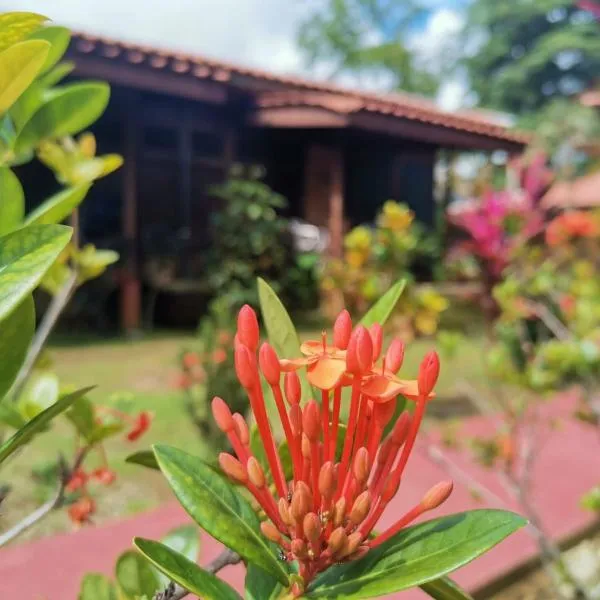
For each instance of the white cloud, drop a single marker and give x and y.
(259, 33)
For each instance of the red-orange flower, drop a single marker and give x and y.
(219, 356)
(81, 511)
(104, 475)
(325, 365)
(141, 424)
(77, 481)
(571, 224)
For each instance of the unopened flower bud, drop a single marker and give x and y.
(271, 532)
(437, 495)
(400, 430)
(245, 367)
(390, 488)
(233, 468)
(339, 512)
(298, 548)
(241, 429)
(394, 356)
(327, 481)
(342, 330)
(284, 512)
(292, 387)
(256, 474)
(311, 421)
(301, 502)
(354, 541)
(222, 415)
(360, 508)
(376, 332)
(383, 412)
(384, 450)
(428, 373)
(305, 447)
(312, 527)
(269, 364)
(361, 466)
(295, 414)
(337, 540)
(361, 551)
(247, 328)
(359, 356)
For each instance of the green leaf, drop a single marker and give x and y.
(58, 207)
(56, 75)
(58, 38)
(185, 541)
(383, 308)
(144, 458)
(418, 555)
(66, 111)
(38, 423)
(135, 576)
(184, 572)
(261, 586)
(97, 587)
(40, 393)
(16, 332)
(218, 508)
(16, 26)
(445, 589)
(12, 201)
(25, 255)
(81, 414)
(281, 331)
(19, 66)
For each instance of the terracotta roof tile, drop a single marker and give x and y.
(299, 92)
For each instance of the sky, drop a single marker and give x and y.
(258, 33)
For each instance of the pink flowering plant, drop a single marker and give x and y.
(302, 512)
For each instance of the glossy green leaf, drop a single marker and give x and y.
(10, 416)
(56, 75)
(218, 508)
(144, 458)
(58, 38)
(58, 207)
(184, 572)
(37, 424)
(25, 255)
(261, 586)
(281, 330)
(418, 555)
(16, 26)
(97, 587)
(445, 589)
(19, 66)
(184, 540)
(40, 392)
(12, 201)
(16, 332)
(135, 576)
(66, 111)
(81, 414)
(383, 308)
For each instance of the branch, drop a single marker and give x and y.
(51, 316)
(176, 592)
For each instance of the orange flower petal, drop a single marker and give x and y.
(294, 364)
(383, 388)
(311, 347)
(326, 373)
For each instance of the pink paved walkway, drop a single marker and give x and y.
(51, 569)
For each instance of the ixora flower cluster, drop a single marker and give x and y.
(326, 513)
(83, 507)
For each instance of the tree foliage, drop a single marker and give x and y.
(368, 38)
(524, 54)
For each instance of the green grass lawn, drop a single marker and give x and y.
(145, 369)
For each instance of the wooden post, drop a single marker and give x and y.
(130, 283)
(336, 204)
(324, 193)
